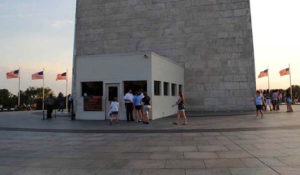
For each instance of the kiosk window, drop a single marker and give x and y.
(174, 89)
(92, 93)
(180, 88)
(135, 86)
(166, 88)
(157, 88)
(92, 88)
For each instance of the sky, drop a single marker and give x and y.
(37, 34)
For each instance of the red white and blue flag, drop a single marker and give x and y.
(38, 75)
(62, 76)
(284, 72)
(13, 74)
(264, 73)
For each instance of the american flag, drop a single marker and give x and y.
(13, 74)
(62, 76)
(284, 72)
(38, 75)
(264, 73)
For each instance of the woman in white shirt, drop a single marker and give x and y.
(114, 110)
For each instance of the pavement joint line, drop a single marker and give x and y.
(251, 154)
(148, 131)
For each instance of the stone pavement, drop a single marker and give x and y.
(265, 148)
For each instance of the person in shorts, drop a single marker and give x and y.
(137, 100)
(114, 110)
(289, 103)
(268, 100)
(259, 98)
(181, 109)
(146, 107)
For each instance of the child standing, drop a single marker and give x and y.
(259, 104)
(289, 103)
(114, 111)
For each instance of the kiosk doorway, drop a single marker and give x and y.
(112, 91)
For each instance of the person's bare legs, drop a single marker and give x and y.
(141, 115)
(111, 119)
(136, 115)
(146, 116)
(117, 118)
(184, 118)
(262, 114)
(178, 118)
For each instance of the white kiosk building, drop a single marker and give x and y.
(100, 78)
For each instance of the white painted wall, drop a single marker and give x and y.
(116, 68)
(165, 70)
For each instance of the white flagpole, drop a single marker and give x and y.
(291, 90)
(67, 90)
(43, 106)
(19, 94)
(268, 79)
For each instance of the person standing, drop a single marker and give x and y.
(70, 103)
(268, 100)
(279, 100)
(289, 103)
(146, 107)
(50, 103)
(129, 105)
(114, 111)
(61, 102)
(259, 98)
(137, 99)
(274, 100)
(181, 109)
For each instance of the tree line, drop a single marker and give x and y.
(31, 96)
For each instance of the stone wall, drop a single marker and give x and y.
(212, 39)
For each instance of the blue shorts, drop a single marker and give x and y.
(114, 113)
(180, 107)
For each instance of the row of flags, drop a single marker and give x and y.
(283, 72)
(35, 76)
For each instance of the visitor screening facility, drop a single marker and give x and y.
(100, 78)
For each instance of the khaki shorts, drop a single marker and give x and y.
(146, 108)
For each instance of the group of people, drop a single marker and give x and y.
(52, 103)
(271, 99)
(140, 102)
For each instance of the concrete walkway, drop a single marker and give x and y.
(242, 146)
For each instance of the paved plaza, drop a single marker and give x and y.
(223, 145)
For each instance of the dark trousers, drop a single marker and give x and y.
(49, 111)
(70, 105)
(129, 109)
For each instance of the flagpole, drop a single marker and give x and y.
(43, 106)
(19, 94)
(268, 79)
(291, 88)
(67, 90)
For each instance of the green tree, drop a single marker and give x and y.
(7, 99)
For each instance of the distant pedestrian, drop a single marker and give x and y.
(259, 104)
(129, 105)
(146, 107)
(274, 100)
(61, 101)
(289, 103)
(114, 111)
(279, 100)
(70, 103)
(137, 100)
(50, 103)
(268, 100)
(181, 109)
